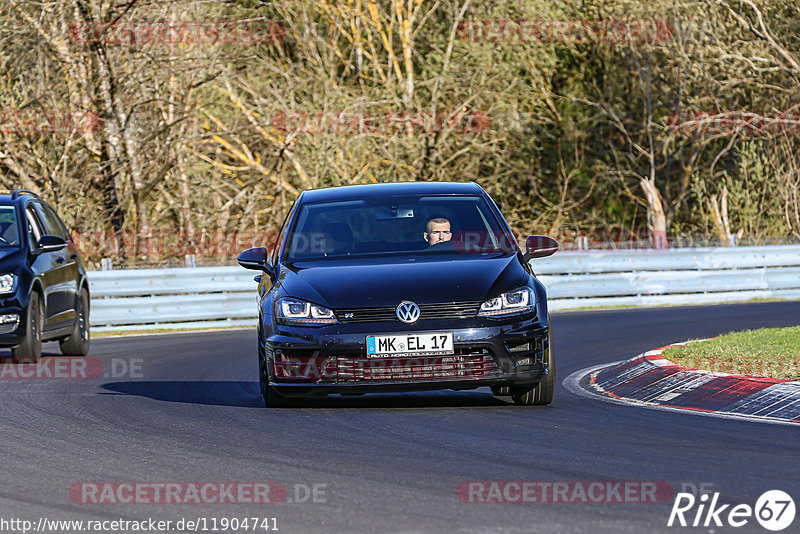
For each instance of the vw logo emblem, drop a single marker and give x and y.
(407, 312)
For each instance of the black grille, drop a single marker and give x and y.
(463, 365)
(452, 310)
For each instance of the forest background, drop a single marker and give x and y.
(163, 128)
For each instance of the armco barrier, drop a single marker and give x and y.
(676, 276)
(218, 296)
(172, 298)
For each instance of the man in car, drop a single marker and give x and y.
(437, 230)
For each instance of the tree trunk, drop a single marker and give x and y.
(656, 219)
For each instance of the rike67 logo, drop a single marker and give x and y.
(774, 510)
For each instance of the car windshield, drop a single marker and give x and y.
(9, 229)
(399, 225)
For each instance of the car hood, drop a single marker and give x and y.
(347, 284)
(10, 259)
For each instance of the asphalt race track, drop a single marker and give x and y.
(388, 463)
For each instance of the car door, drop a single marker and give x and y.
(62, 283)
(42, 263)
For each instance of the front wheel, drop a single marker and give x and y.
(77, 344)
(542, 393)
(30, 350)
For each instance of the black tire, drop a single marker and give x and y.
(30, 350)
(77, 344)
(501, 391)
(272, 399)
(542, 393)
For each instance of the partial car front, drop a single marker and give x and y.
(385, 326)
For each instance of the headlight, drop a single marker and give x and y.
(511, 303)
(294, 311)
(7, 283)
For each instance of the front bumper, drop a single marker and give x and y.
(12, 333)
(319, 361)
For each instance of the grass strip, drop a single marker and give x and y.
(766, 352)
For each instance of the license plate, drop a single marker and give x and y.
(399, 345)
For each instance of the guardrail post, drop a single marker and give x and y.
(106, 265)
(191, 260)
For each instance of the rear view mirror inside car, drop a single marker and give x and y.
(394, 212)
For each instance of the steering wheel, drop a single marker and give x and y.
(442, 245)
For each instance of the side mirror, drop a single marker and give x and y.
(256, 258)
(539, 246)
(51, 243)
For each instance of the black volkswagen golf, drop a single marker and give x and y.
(401, 287)
(44, 292)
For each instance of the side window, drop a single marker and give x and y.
(52, 224)
(34, 230)
(60, 226)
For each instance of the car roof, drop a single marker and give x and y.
(22, 197)
(353, 192)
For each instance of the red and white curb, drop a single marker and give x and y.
(651, 380)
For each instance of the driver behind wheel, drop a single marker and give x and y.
(437, 230)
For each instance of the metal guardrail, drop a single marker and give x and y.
(172, 298)
(675, 276)
(225, 296)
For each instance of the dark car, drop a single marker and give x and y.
(401, 287)
(44, 292)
